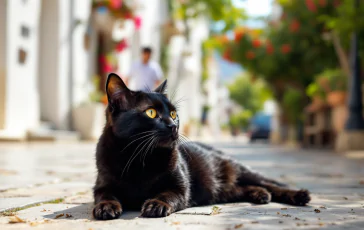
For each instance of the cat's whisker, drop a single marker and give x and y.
(131, 158)
(137, 139)
(151, 131)
(153, 142)
(185, 137)
(143, 153)
(145, 144)
(182, 142)
(173, 95)
(180, 100)
(177, 107)
(150, 143)
(147, 89)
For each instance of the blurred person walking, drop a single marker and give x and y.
(145, 74)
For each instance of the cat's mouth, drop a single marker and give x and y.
(168, 139)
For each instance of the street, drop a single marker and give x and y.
(49, 186)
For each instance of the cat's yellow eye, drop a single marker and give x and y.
(173, 114)
(152, 113)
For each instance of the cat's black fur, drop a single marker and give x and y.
(141, 165)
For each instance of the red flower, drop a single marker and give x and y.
(250, 54)
(256, 43)
(137, 22)
(128, 15)
(322, 3)
(311, 5)
(121, 46)
(102, 60)
(227, 55)
(337, 3)
(107, 68)
(116, 4)
(270, 48)
(295, 25)
(238, 35)
(224, 39)
(286, 48)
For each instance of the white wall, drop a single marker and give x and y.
(3, 7)
(81, 74)
(54, 66)
(48, 59)
(63, 43)
(59, 93)
(41, 87)
(21, 107)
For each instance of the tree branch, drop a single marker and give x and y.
(343, 58)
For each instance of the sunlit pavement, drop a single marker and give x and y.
(33, 178)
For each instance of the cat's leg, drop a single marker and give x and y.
(288, 196)
(164, 204)
(256, 195)
(107, 206)
(280, 194)
(252, 194)
(244, 170)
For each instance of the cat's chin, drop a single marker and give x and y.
(167, 143)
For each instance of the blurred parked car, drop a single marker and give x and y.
(259, 127)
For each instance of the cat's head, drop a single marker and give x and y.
(144, 115)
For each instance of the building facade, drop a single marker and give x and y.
(50, 55)
(39, 79)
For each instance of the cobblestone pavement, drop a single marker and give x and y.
(48, 186)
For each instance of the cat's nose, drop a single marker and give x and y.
(174, 131)
(173, 127)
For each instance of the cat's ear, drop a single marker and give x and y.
(117, 92)
(162, 87)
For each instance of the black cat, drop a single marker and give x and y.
(141, 164)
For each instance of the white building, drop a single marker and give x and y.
(45, 64)
(49, 54)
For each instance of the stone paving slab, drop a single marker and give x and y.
(21, 202)
(56, 190)
(322, 213)
(39, 173)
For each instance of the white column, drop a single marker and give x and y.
(48, 60)
(64, 90)
(54, 68)
(81, 77)
(21, 108)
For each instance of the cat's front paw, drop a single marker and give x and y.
(107, 210)
(301, 198)
(156, 208)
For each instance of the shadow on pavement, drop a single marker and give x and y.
(84, 211)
